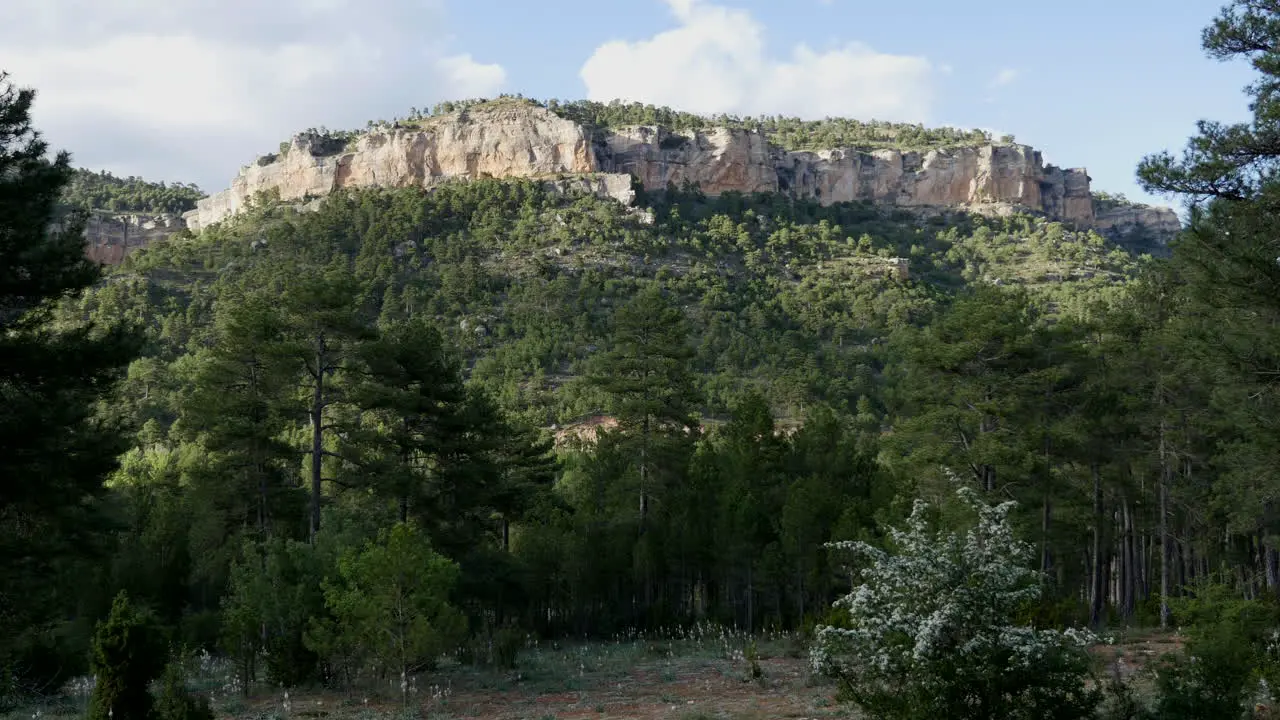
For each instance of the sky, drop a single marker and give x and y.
(190, 90)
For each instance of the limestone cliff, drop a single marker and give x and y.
(509, 141)
(516, 140)
(111, 236)
(1160, 222)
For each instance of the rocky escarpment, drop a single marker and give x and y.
(509, 142)
(738, 160)
(1158, 222)
(518, 140)
(111, 236)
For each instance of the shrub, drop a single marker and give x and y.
(391, 605)
(1230, 646)
(274, 585)
(127, 654)
(1212, 679)
(1121, 702)
(932, 631)
(506, 646)
(175, 702)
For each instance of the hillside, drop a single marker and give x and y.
(787, 296)
(796, 333)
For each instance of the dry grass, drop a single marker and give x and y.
(695, 678)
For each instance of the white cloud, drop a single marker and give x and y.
(190, 90)
(715, 61)
(1004, 77)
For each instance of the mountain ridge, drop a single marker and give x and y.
(516, 138)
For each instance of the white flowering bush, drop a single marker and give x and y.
(932, 633)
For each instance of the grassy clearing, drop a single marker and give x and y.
(699, 675)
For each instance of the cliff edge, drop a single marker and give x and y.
(523, 140)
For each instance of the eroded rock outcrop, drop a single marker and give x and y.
(717, 161)
(511, 141)
(111, 236)
(516, 140)
(1158, 222)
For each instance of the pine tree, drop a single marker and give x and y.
(55, 452)
(1229, 260)
(127, 654)
(412, 391)
(392, 604)
(327, 329)
(239, 404)
(646, 377)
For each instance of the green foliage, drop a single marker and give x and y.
(58, 449)
(788, 132)
(1104, 201)
(128, 653)
(1213, 679)
(272, 598)
(391, 604)
(1121, 701)
(456, 323)
(505, 646)
(101, 190)
(175, 702)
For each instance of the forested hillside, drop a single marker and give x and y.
(742, 315)
(322, 444)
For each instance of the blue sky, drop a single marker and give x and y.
(192, 89)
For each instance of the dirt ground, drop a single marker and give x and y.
(1130, 655)
(692, 688)
(691, 679)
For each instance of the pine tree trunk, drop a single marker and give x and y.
(1046, 561)
(1096, 576)
(317, 439)
(262, 501)
(1164, 530)
(988, 425)
(1268, 564)
(1130, 572)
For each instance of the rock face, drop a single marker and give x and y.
(511, 141)
(717, 161)
(111, 236)
(1159, 222)
(737, 160)
(514, 140)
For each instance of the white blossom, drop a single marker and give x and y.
(940, 600)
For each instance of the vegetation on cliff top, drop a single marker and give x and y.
(1105, 201)
(101, 190)
(790, 133)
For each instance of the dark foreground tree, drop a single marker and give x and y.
(1229, 259)
(128, 653)
(53, 452)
